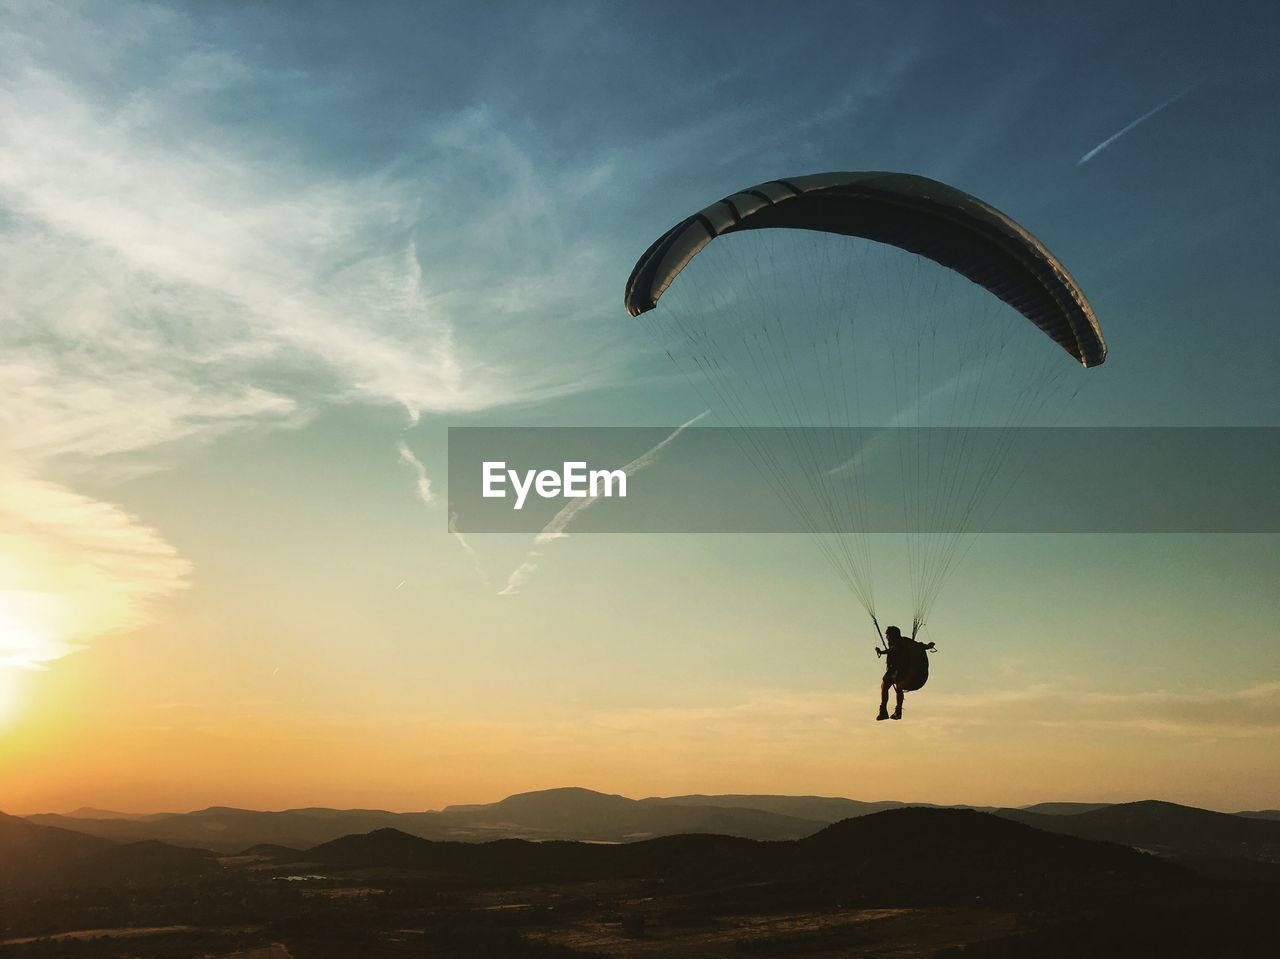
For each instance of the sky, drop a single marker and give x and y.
(258, 258)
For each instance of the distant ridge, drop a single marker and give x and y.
(899, 846)
(576, 813)
(1180, 832)
(89, 812)
(1064, 808)
(1260, 814)
(568, 813)
(820, 809)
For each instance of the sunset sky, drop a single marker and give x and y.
(257, 259)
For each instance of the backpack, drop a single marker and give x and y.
(913, 669)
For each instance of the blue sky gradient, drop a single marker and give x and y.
(252, 251)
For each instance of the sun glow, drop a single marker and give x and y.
(8, 697)
(23, 643)
(20, 648)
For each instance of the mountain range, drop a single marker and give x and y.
(586, 815)
(1051, 880)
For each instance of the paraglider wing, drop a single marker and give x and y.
(914, 213)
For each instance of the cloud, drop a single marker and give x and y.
(1243, 712)
(428, 497)
(423, 481)
(173, 270)
(199, 271)
(73, 568)
(467, 548)
(1128, 127)
(231, 273)
(785, 719)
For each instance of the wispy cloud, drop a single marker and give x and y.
(1199, 714)
(74, 568)
(557, 526)
(1250, 711)
(427, 495)
(1130, 126)
(191, 275)
(423, 481)
(467, 548)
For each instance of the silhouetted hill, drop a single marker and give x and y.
(1168, 829)
(1063, 808)
(935, 878)
(910, 855)
(583, 814)
(821, 810)
(149, 861)
(511, 860)
(564, 806)
(930, 854)
(1261, 814)
(227, 829)
(30, 851)
(382, 847)
(89, 812)
(681, 859)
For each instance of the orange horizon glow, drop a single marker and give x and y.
(146, 760)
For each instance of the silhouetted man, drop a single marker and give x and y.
(908, 669)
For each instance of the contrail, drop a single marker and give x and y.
(520, 574)
(909, 416)
(555, 529)
(424, 481)
(1146, 116)
(467, 548)
(428, 496)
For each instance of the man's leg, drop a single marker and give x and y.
(884, 698)
(897, 713)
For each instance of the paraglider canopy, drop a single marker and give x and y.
(869, 299)
(911, 212)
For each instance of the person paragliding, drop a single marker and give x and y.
(836, 304)
(906, 671)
